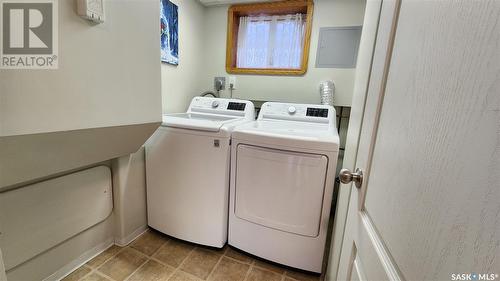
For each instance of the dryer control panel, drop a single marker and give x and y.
(313, 113)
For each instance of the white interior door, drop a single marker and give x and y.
(429, 147)
(363, 70)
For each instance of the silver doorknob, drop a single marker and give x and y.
(347, 176)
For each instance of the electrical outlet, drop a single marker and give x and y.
(232, 81)
(219, 83)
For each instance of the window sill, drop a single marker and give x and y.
(266, 71)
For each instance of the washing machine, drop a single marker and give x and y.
(282, 179)
(187, 170)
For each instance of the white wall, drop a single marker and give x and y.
(129, 197)
(108, 84)
(202, 56)
(102, 102)
(180, 83)
(109, 74)
(283, 88)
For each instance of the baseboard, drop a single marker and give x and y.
(90, 254)
(122, 242)
(81, 260)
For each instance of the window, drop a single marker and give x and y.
(269, 38)
(270, 42)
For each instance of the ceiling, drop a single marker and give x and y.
(224, 2)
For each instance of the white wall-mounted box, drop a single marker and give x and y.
(92, 10)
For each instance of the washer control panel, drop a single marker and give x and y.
(220, 106)
(298, 112)
(240, 106)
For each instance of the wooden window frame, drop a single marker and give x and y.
(273, 8)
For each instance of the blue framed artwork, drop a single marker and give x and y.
(169, 21)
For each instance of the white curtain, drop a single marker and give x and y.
(270, 41)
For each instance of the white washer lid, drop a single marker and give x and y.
(315, 136)
(194, 121)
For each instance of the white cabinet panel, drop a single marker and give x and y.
(37, 217)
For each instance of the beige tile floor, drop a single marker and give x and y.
(157, 257)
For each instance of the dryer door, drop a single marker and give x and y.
(280, 189)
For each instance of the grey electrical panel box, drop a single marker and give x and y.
(338, 47)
